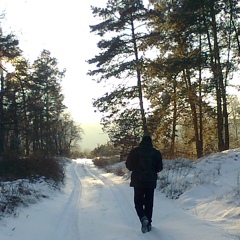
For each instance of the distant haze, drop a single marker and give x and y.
(93, 136)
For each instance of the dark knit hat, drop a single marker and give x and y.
(147, 139)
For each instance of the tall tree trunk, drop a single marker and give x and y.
(192, 101)
(139, 81)
(200, 102)
(215, 71)
(174, 122)
(224, 143)
(236, 31)
(1, 116)
(26, 122)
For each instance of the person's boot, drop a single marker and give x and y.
(149, 228)
(144, 222)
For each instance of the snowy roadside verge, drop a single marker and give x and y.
(21, 193)
(26, 181)
(208, 188)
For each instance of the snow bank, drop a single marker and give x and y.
(208, 188)
(213, 192)
(22, 193)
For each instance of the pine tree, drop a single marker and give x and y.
(122, 30)
(8, 50)
(194, 42)
(46, 101)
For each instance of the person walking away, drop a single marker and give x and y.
(145, 162)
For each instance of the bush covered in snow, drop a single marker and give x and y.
(25, 181)
(103, 162)
(111, 164)
(173, 179)
(32, 168)
(179, 176)
(22, 192)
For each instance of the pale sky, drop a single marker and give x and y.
(62, 27)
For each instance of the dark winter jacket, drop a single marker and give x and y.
(132, 164)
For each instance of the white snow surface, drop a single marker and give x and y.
(95, 205)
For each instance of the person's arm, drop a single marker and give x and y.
(159, 161)
(130, 162)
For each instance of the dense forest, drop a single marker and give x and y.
(33, 118)
(169, 65)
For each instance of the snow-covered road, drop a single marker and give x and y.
(100, 207)
(95, 205)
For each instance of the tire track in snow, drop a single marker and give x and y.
(118, 195)
(127, 209)
(67, 228)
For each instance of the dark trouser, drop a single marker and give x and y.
(143, 200)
